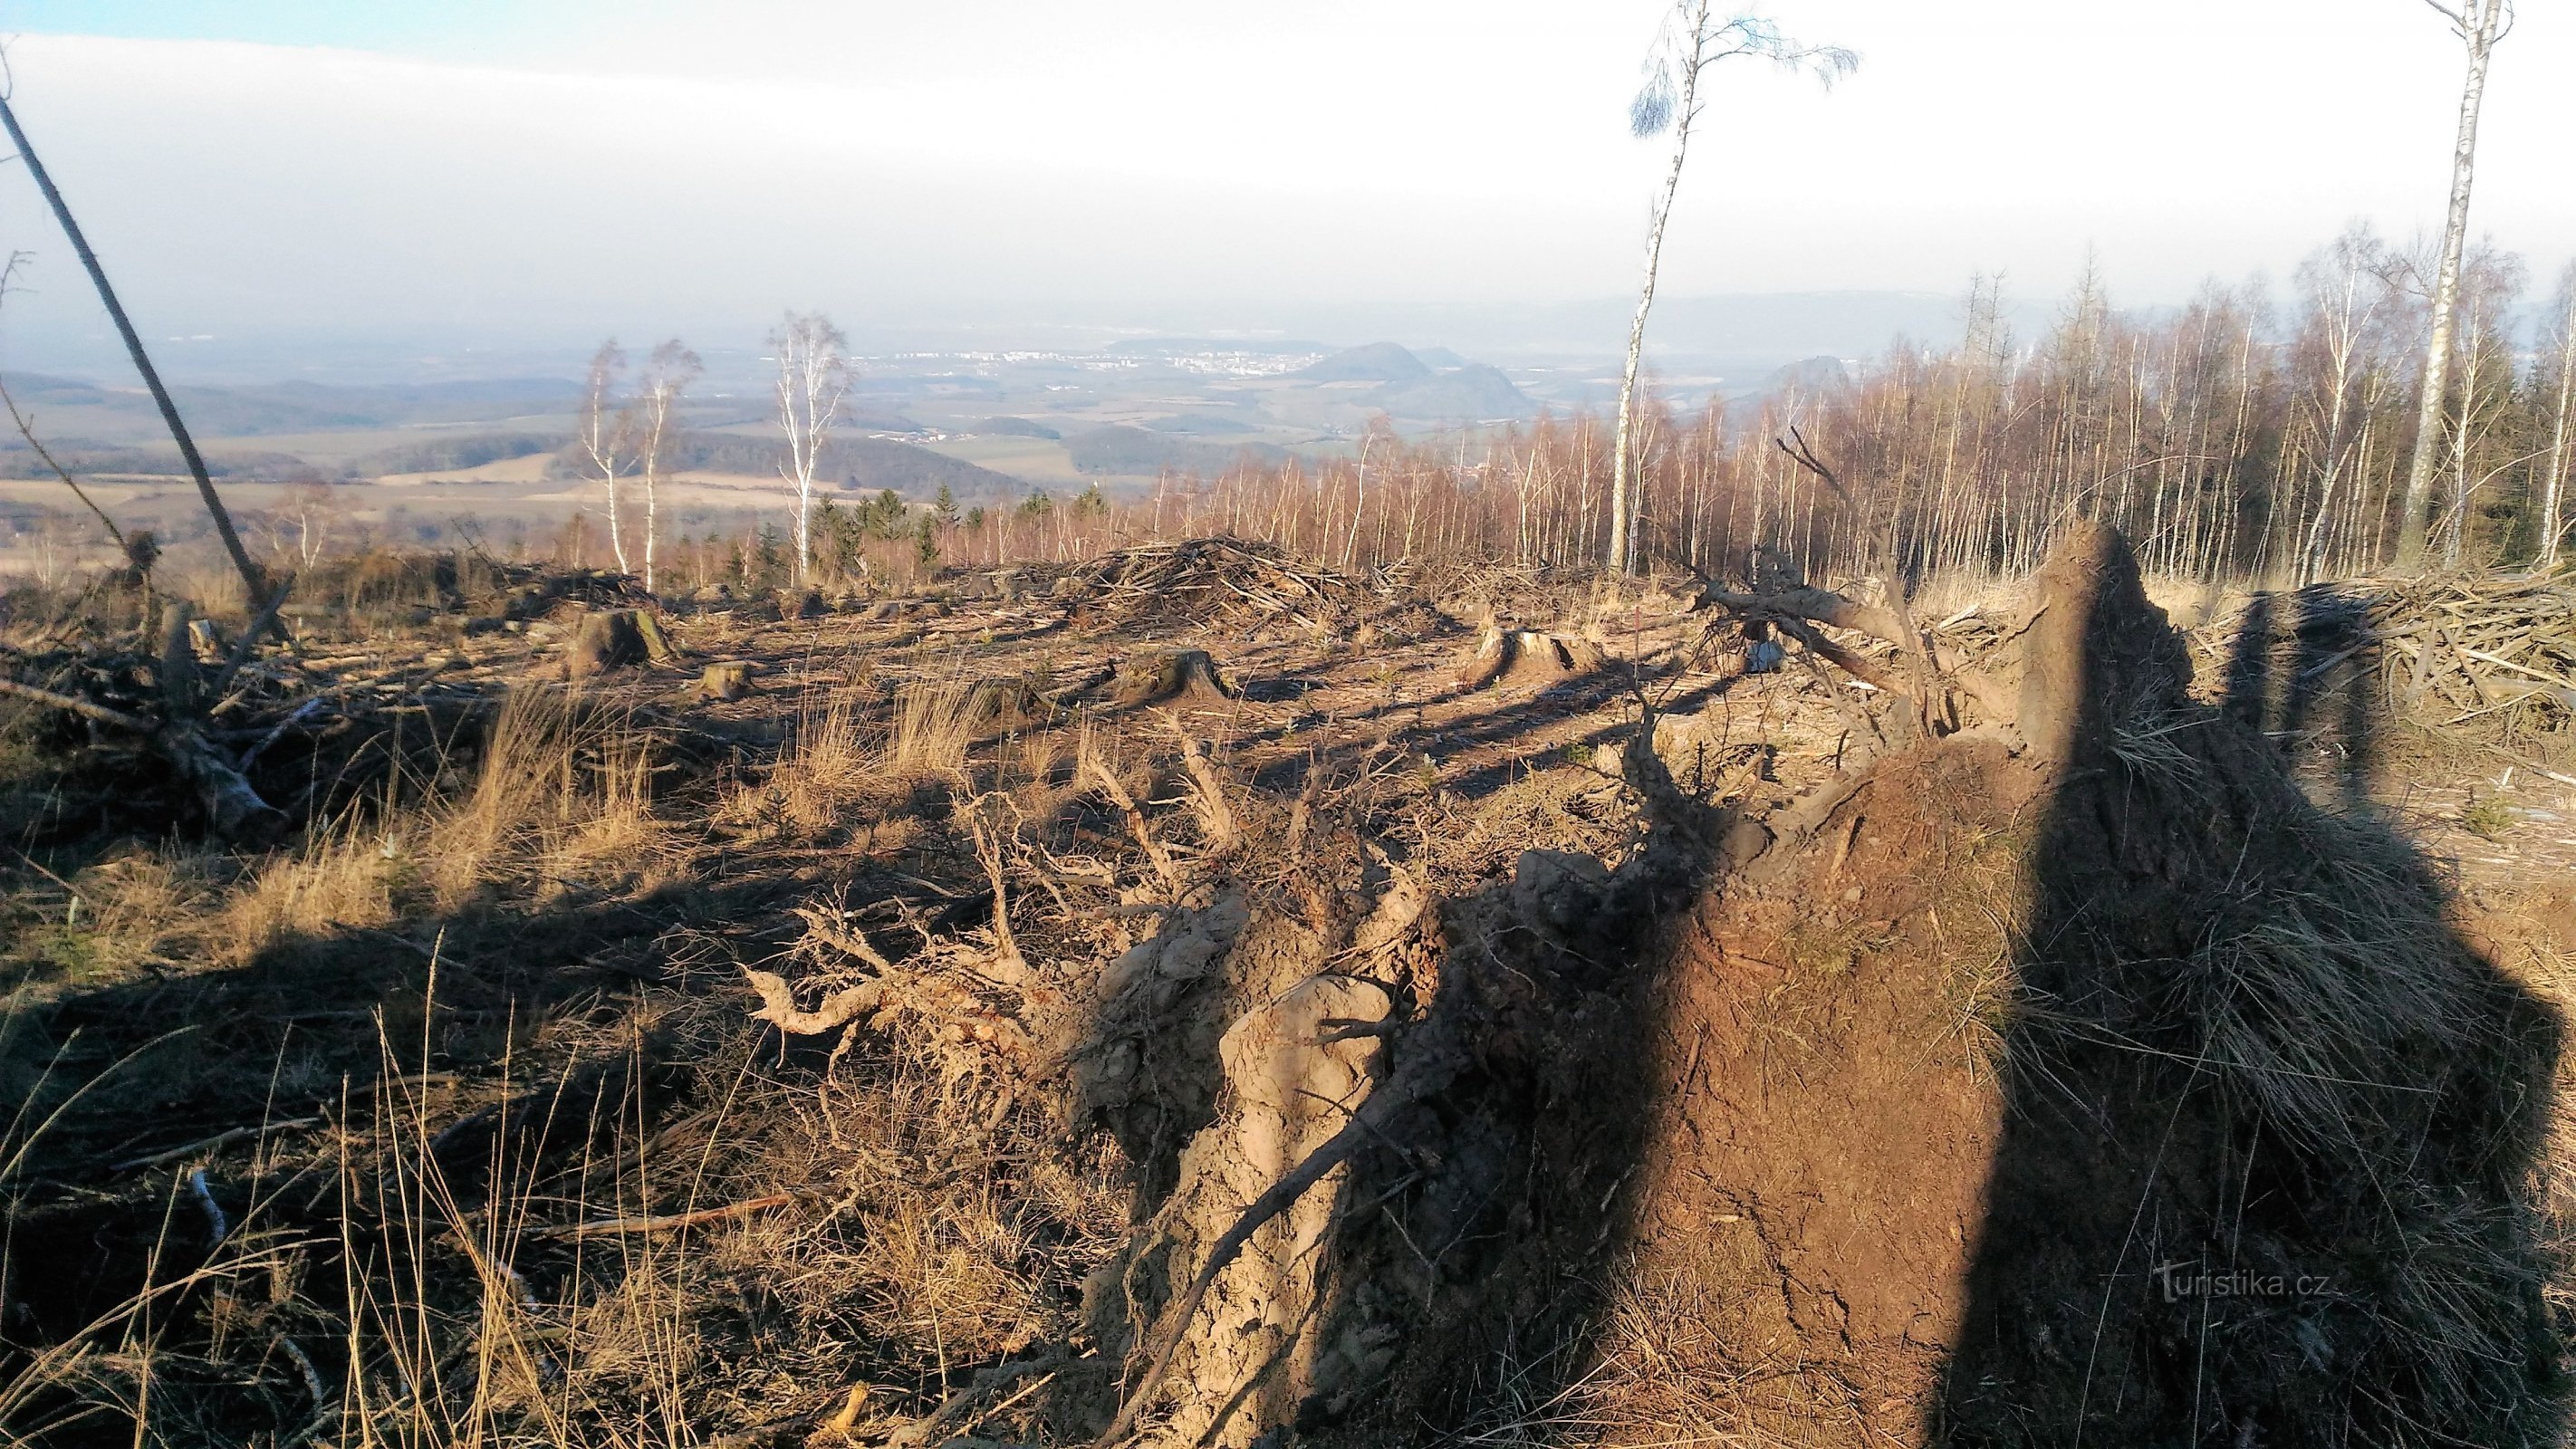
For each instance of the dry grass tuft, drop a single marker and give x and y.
(934, 726)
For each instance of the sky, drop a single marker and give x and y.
(533, 172)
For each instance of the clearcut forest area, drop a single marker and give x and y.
(1177, 892)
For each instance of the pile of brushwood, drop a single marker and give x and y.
(2453, 648)
(1209, 581)
(171, 719)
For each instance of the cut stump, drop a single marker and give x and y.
(1526, 657)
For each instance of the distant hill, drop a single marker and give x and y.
(1474, 393)
(1809, 375)
(1196, 422)
(850, 463)
(17, 460)
(303, 407)
(1009, 427)
(454, 452)
(1122, 449)
(1376, 362)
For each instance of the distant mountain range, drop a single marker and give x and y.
(1376, 362)
(1435, 385)
(299, 407)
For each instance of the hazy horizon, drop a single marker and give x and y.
(368, 188)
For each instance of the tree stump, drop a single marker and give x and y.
(730, 680)
(1165, 676)
(610, 639)
(1526, 657)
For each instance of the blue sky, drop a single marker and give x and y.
(484, 31)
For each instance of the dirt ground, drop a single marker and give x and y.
(911, 1047)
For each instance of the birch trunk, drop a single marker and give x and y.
(2478, 22)
(602, 438)
(1623, 523)
(2554, 483)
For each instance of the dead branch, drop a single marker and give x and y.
(27, 430)
(778, 1004)
(988, 850)
(1805, 457)
(665, 1222)
(82, 707)
(1820, 606)
(1841, 658)
(1098, 769)
(832, 928)
(209, 1144)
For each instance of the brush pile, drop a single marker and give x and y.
(1207, 582)
(2453, 649)
(2480, 645)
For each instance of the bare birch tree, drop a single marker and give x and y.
(2344, 295)
(813, 377)
(2479, 24)
(607, 429)
(667, 374)
(2562, 350)
(1692, 40)
(2483, 352)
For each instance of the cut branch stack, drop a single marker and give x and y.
(1208, 581)
(2456, 646)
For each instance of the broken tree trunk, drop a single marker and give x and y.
(253, 580)
(233, 809)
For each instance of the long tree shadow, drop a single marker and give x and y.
(2303, 670)
(2267, 1170)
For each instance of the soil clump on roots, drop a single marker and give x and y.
(2084, 1080)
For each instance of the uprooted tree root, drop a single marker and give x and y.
(1375, 1132)
(2103, 1088)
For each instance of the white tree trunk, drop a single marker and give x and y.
(1626, 487)
(1624, 482)
(813, 374)
(660, 404)
(2554, 483)
(2479, 21)
(603, 438)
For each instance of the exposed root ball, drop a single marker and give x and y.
(2103, 1089)
(1375, 1132)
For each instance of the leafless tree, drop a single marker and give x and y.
(667, 374)
(2483, 350)
(2562, 362)
(2479, 24)
(1693, 39)
(308, 509)
(607, 431)
(2345, 296)
(813, 377)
